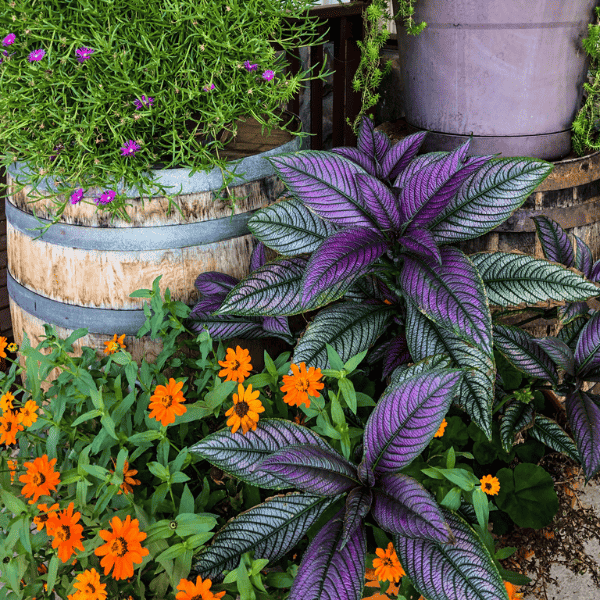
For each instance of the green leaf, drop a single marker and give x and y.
(172, 552)
(122, 357)
(351, 364)
(243, 583)
(349, 394)
(91, 414)
(518, 279)
(481, 506)
(337, 414)
(452, 499)
(52, 572)
(186, 504)
(189, 524)
(527, 495)
(159, 471)
(215, 398)
(145, 437)
(349, 327)
(549, 432)
(504, 553)
(335, 362)
(15, 505)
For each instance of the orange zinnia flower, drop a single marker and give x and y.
(12, 467)
(3, 344)
(490, 485)
(440, 431)
(302, 384)
(236, 366)
(6, 401)
(88, 586)
(511, 589)
(166, 401)
(245, 409)
(122, 547)
(28, 414)
(387, 566)
(40, 478)
(9, 427)
(128, 479)
(47, 514)
(114, 345)
(65, 529)
(197, 591)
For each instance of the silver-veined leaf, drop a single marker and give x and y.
(516, 417)
(584, 418)
(512, 279)
(439, 361)
(460, 570)
(549, 432)
(556, 245)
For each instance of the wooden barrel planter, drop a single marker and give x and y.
(81, 271)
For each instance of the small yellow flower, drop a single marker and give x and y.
(114, 345)
(12, 347)
(440, 431)
(490, 485)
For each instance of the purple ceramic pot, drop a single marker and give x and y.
(510, 72)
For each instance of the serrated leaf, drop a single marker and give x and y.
(572, 311)
(520, 349)
(476, 391)
(421, 242)
(326, 570)
(289, 228)
(311, 469)
(556, 245)
(406, 418)
(559, 352)
(270, 529)
(513, 279)
(416, 165)
(349, 327)
(460, 570)
(587, 352)
(488, 198)
(516, 417)
(451, 294)
(549, 432)
(325, 183)
(405, 507)
(239, 455)
(584, 419)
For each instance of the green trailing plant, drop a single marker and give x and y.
(586, 126)
(405, 10)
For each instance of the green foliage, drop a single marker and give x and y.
(406, 10)
(69, 120)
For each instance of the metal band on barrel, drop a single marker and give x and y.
(69, 316)
(130, 239)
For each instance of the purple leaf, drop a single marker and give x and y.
(270, 529)
(437, 203)
(416, 166)
(584, 419)
(207, 305)
(595, 272)
(344, 257)
(422, 243)
(587, 352)
(311, 469)
(209, 284)
(572, 311)
(583, 256)
(328, 572)
(382, 145)
(239, 455)
(379, 199)
(396, 354)
(369, 142)
(556, 245)
(358, 503)
(460, 570)
(358, 157)
(366, 475)
(324, 182)
(559, 352)
(277, 325)
(451, 295)
(423, 186)
(259, 257)
(399, 156)
(405, 507)
(225, 328)
(406, 419)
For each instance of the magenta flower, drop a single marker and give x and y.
(76, 196)
(9, 39)
(208, 88)
(250, 67)
(105, 198)
(268, 75)
(139, 104)
(84, 53)
(130, 148)
(36, 55)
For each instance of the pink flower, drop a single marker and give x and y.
(36, 55)
(130, 148)
(268, 75)
(76, 196)
(106, 198)
(83, 54)
(207, 88)
(9, 39)
(250, 67)
(144, 101)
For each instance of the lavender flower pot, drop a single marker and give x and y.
(508, 72)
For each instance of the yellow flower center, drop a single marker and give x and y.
(38, 478)
(241, 409)
(302, 384)
(119, 547)
(167, 400)
(63, 533)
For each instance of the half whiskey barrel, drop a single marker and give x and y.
(81, 271)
